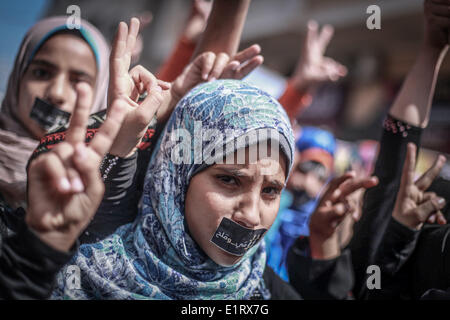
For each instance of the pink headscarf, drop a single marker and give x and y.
(16, 143)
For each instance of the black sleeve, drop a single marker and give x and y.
(379, 201)
(279, 289)
(28, 266)
(431, 260)
(319, 279)
(119, 203)
(436, 294)
(396, 248)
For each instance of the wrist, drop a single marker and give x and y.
(124, 152)
(431, 53)
(324, 248)
(301, 85)
(407, 221)
(59, 240)
(435, 40)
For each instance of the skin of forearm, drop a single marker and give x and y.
(224, 27)
(413, 102)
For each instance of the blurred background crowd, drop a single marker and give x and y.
(351, 108)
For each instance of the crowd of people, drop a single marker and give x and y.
(162, 186)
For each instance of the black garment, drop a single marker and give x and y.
(319, 279)
(392, 257)
(414, 264)
(379, 201)
(430, 262)
(28, 266)
(279, 289)
(119, 203)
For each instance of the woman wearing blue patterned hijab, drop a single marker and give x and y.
(189, 194)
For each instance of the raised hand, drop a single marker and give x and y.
(313, 67)
(129, 86)
(64, 185)
(437, 23)
(414, 205)
(209, 66)
(334, 206)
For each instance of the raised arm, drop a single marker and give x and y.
(313, 69)
(187, 41)
(64, 191)
(413, 103)
(226, 22)
(407, 117)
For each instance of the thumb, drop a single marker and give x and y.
(424, 210)
(152, 102)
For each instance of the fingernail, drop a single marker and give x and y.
(205, 76)
(441, 201)
(158, 88)
(77, 185)
(212, 79)
(64, 184)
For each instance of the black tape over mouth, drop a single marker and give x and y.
(48, 116)
(234, 238)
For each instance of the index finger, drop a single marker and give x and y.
(78, 122)
(334, 185)
(352, 185)
(425, 181)
(105, 136)
(248, 53)
(119, 48)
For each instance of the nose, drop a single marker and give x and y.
(57, 91)
(248, 213)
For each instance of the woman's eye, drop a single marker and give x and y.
(40, 73)
(271, 191)
(79, 79)
(229, 180)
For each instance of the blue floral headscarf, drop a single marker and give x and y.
(155, 257)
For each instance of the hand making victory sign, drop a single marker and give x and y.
(128, 86)
(336, 203)
(64, 185)
(414, 205)
(313, 67)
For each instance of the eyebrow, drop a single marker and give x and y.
(48, 64)
(239, 173)
(43, 63)
(234, 171)
(276, 183)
